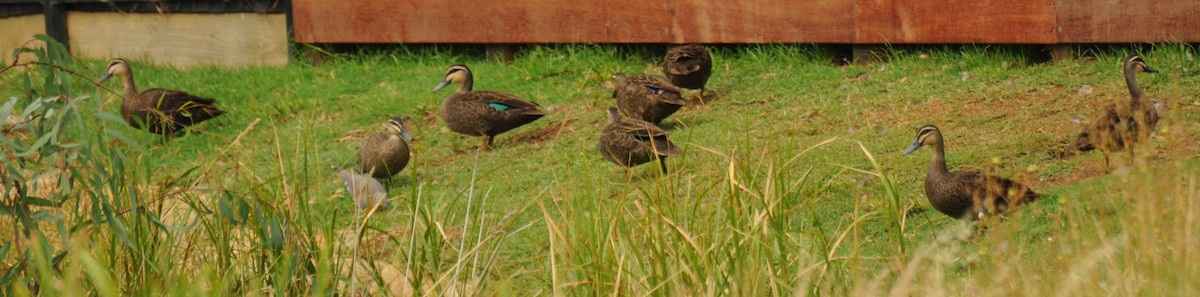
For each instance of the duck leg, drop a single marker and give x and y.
(701, 97)
(487, 143)
(662, 162)
(1105, 162)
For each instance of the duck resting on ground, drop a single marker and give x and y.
(630, 142)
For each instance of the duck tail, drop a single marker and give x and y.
(1084, 142)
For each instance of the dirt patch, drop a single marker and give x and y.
(544, 134)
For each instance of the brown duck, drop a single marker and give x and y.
(966, 195)
(1119, 127)
(649, 98)
(165, 111)
(688, 66)
(384, 154)
(630, 142)
(483, 113)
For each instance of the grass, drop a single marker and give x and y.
(791, 183)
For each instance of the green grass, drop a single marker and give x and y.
(781, 188)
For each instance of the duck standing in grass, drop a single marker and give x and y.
(630, 142)
(166, 112)
(483, 113)
(649, 98)
(688, 66)
(384, 154)
(966, 195)
(1119, 127)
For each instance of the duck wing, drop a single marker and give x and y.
(504, 101)
(996, 193)
(648, 134)
(180, 107)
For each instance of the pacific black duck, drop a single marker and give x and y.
(483, 113)
(1119, 127)
(688, 66)
(165, 111)
(649, 98)
(630, 142)
(966, 195)
(384, 154)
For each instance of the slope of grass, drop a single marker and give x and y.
(791, 182)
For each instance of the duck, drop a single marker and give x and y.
(483, 113)
(964, 194)
(630, 142)
(384, 154)
(688, 66)
(1119, 127)
(166, 112)
(649, 98)
(366, 191)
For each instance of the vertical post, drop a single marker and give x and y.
(287, 10)
(863, 54)
(503, 53)
(55, 13)
(1060, 52)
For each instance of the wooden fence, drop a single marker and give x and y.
(750, 21)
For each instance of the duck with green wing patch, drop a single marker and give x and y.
(483, 113)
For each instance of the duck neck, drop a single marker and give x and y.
(937, 165)
(1135, 90)
(130, 90)
(467, 84)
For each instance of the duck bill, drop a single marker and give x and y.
(441, 85)
(105, 77)
(910, 149)
(1147, 69)
(404, 134)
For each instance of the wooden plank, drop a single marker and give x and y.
(182, 39)
(1120, 21)
(981, 21)
(550, 21)
(18, 31)
(764, 21)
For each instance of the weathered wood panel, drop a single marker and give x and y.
(751, 21)
(17, 31)
(1119, 21)
(550, 21)
(979, 21)
(182, 39)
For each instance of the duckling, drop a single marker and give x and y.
(630, 142)
(649, 98)
(966, 195)
(165, 111)
(1122, 126)
(483, 113)
(365, 191)
(382, 155)
(688, 67)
